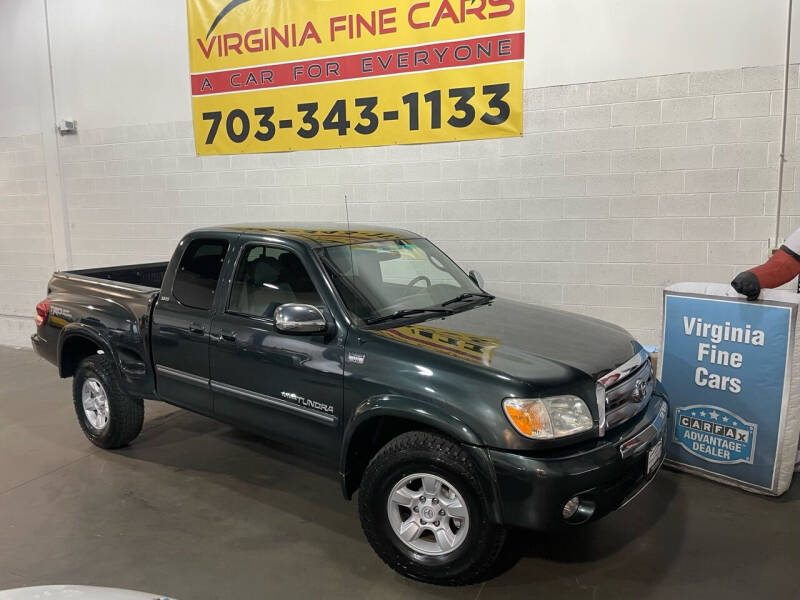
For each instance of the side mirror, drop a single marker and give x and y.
(299, 318)
(476, 277)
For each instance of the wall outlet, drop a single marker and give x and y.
(67, 126)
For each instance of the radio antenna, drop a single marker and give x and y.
(349, 238)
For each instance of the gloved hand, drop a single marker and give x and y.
(747, 284)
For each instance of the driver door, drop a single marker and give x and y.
(283, 385)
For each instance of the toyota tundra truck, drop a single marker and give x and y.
(455, 414)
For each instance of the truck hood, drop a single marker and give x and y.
(522, 340)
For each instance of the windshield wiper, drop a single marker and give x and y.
(408, 312)
(466, 296)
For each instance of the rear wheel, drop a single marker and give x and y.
(108, 416)
(425, 513)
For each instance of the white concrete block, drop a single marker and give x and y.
(610, 274)
(543, 208)
(715, 82)
(609, 92)
(688, 109)
(758, 180)
(587, 117)
(682, 252)
(588, 252)
(761, 129)
(586, 208)
(480, 190)
(609, 229)
(633, 296)
(736, 253)
(716, 180)
(632, 252)
(737, 204)
(754, 228)
(752, 104)
(544, 120)
(673, 86)
(657, 229)
(683, 205)
(689, 157)
(767, 78)
(586, 163)
(708, 228)
(563, 272)
(636, 113)
(561, 187)
(609, 185)
(583, 294)
(660, 275)
(565, 230)
(634, 206)
(752, 154)
(629, 161)
(659, 183)
(657, 136)
(500, 209)
(543, 164)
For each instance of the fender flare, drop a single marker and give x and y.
(426, 414)
(408, 409)
(81, 330)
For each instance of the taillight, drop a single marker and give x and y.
(42, 310)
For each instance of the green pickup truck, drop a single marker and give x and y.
(455, 414)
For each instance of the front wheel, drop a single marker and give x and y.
(425, 514)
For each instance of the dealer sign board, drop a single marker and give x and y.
(726, 364)
(276, 75)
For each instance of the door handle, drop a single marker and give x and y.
(227, 336)
(196, 328)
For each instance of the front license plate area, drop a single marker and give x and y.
(654, 457)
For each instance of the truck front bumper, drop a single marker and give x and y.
(603, 475)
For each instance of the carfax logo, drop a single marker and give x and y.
(715, 434)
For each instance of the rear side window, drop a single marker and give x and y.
(198, 272)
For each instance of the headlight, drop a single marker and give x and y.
(548, 418)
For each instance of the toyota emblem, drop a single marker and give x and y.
(639, 390)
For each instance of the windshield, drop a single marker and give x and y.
(379, 279)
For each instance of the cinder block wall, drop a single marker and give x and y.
(26, 251)
(616, 189)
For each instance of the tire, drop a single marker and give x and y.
(121, 422)
(477, 547)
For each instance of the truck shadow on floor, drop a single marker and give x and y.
(289, 482)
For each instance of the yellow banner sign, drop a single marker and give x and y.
(277, 75)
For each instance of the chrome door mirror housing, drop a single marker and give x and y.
(476, 277)
(300, 318)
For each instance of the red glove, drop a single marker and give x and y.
(781, 268)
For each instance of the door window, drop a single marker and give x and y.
(198, 273)
(267, 277)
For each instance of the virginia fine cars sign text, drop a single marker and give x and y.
(275, 75)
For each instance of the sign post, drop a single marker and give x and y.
(727, 365)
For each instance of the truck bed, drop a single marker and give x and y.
(147, 275)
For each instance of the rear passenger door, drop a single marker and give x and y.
(286, 386)
(181, 322)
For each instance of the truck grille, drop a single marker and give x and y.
(628, 389)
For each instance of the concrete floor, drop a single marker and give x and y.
(196, 510)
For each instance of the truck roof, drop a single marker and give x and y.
(320, 234)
